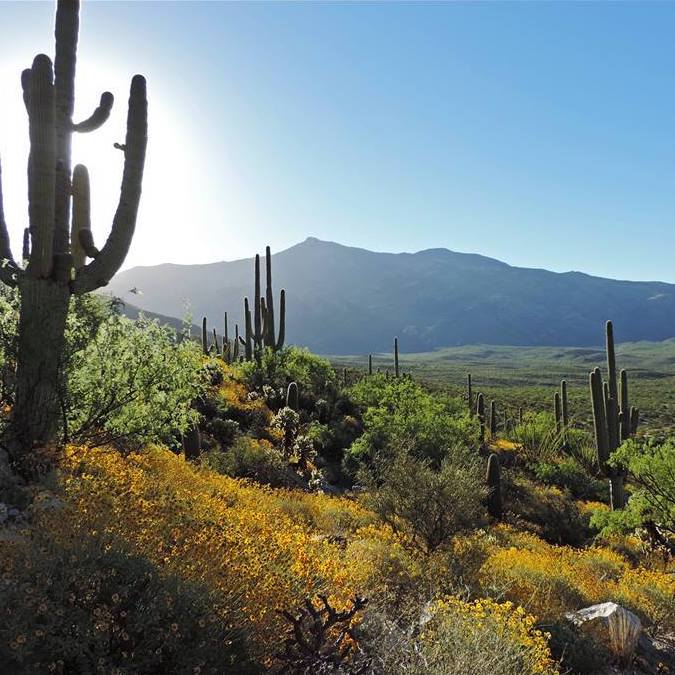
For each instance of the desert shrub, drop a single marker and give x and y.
(652, 469)
(76, 601)
(537, 437)
(401, 416)
(568, 474)
(313, 374)
(253, 459)
(424, 504)
(548, 511)
(453, 637)
(133, 383)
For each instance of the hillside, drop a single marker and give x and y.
(433, 298)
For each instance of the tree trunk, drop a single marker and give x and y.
(37, 409)
(617, 496)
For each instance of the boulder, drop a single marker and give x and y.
(617, 628)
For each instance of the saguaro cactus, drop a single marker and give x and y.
(266, 306)
(396, 368)
(493, 419)
(370, 364)
(56, 266)
(494, 484)
(205, 337)
(480, 412)
(613, 420)
(292, 397)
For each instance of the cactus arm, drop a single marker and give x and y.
(99, 272)
(611, 361)
(41, 166)
(599, 419)
(257, 318)
(248, 331)
(25, 86)
(99, 117)
(25, 249)
(8, 267)
(282, 319)
(269, 300)
(81, 221)
(67, 28)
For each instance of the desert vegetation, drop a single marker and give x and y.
(224, 502)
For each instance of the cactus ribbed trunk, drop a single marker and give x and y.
(37, 409)
(56, 266)
(396, 368)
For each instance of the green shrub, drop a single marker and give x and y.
(255, 460)
(401, 416)
(537, 437)
(277, 370)
(133, 383)
(428, 506)
(566, 473)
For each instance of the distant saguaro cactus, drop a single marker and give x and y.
(613, 420)
(396, 368)
(493, 419)
(480, 412)
(370, 364)
(494, 484)
(58, 247)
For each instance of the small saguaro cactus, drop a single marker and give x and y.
(248, 332)
(480, 412)
(227, 349)
(613, 420)
(216, 346)
(557, 412)
(469, 393)
(370, 364)
(493, 419)
(192, 443)
(292, 397)
(565, 412)
(396, 367)
(61, 240)
(205, 337)
(494, 484)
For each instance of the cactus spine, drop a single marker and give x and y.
(55, 268)
(494, 484)
(396, 368)
(613, 420)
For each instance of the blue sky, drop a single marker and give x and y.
(540, 134)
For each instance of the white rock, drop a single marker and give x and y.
(618, 628)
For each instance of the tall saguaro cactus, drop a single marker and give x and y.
(56, 254)
(614, 420)
(264, 329)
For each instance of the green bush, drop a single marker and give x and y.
(255, 460)
(277, 370)
(567, 474)
(537, 437)
(651, 468)
(428, 506)
(133, 383)
(401, 416)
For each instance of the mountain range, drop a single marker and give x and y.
(345, 300)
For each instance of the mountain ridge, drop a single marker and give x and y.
(346, 300)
